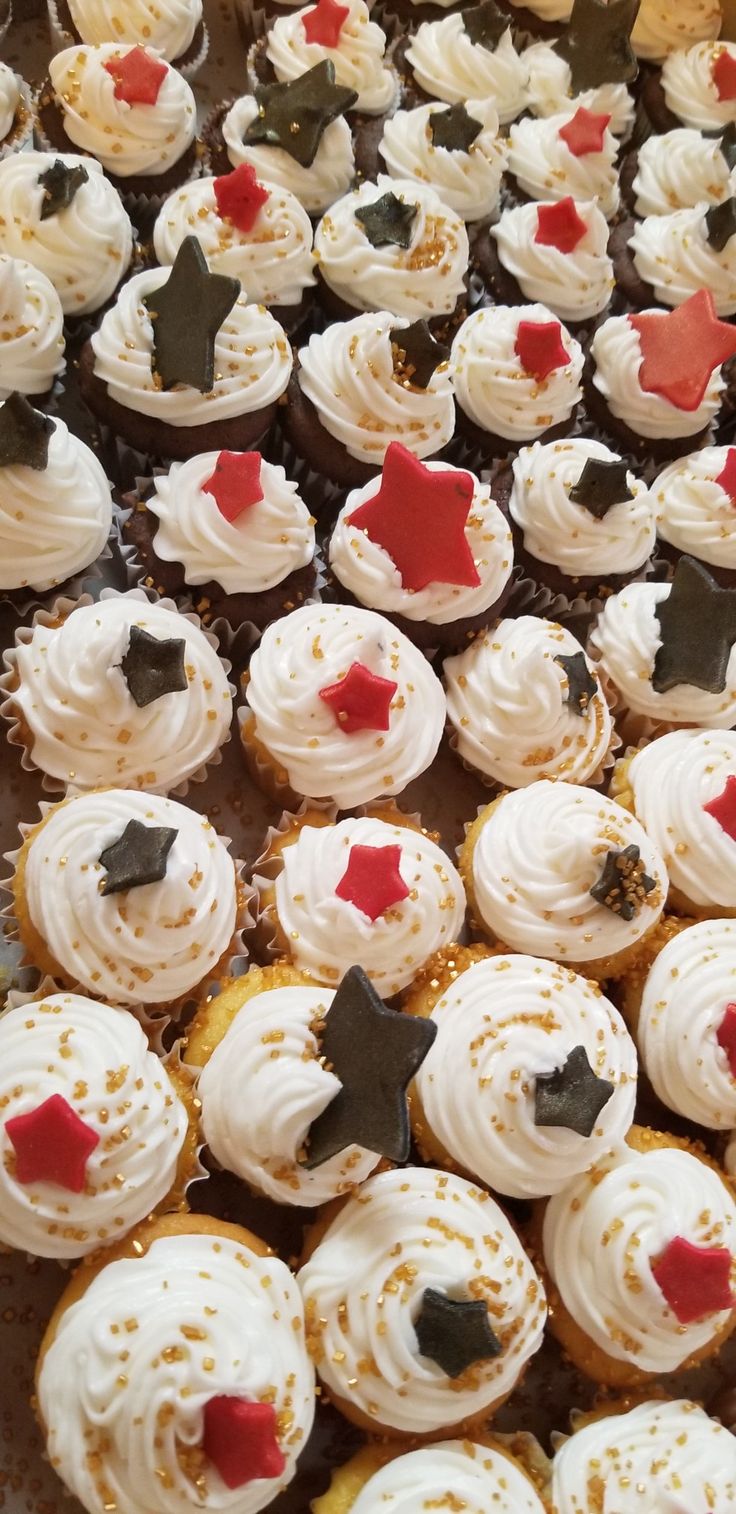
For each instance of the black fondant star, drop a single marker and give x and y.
(623, 884)
(601, 485)
(727, 145)
(152, 667)
(454, 1332)
(720, 222)
(138, 856)
(597, 43)
(24, 434)
(375, 1052)
(388, 221)
(187, 312)
(581, 686)
(454, 129)
(60, 184)
(485, 24)
(572, 1097)
(295, 116)
(697, 626)
(416, 354)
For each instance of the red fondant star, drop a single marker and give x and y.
(52, 1145)
(727, 475)
(695, 1280)
(680, 349)
(419, 517)
(539, 348)
(723, 808)
(584, 132)
(723, 73)
(726, 1036)
(138, 76)
(239, 196)
(324, 22)
(559, 225)
(235, 483)
(372, 880)
(240, 1440)
(361, 701)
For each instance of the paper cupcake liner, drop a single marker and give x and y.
(266, 774)
(634, 729)
(71, 588)
(21, 136)
(188, 70)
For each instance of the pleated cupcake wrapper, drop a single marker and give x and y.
(188, 70)
(62, 608)
(73, 588)
(22, 136)
(634, 729)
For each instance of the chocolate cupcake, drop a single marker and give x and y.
(466, 54)
(570, 154)
(668, 258)
(517, 375)
(16, 115)
(694, 501)
(176, 31)
(355, 45)
(678, 170)
(560, 82)
(555, 253)
(458, 149)
(696, 87)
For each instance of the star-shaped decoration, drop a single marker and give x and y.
(239, 197)
(24, 434)
(187, 312)
(560, 225)
(485, 25)
(240, 1439)
(726, 1037)
(695, 1280)
(723, 73)
(416, 355)
(138, 76)
(727, 145)
(388, 221)
(361, 701)
(596, 43)
(52, 1145)
(139, 856)
(153, 666)
(601, 485)
(453, 128)
(540, 348)
(697, 628)
(60, 184)
(727, 476)
(236, 483)
(372, 880)
(572, 1097)
(623, 885)
(295, 116)
(324, 22)
(419, 516)
(723, 808)
(720, 224)
(585, 132)
(581, 685)
(681, 348)
(454, 1333)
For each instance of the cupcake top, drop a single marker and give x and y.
(659, 30)
(55, 501)
(525, 703)
(688, 250)
(134, 113)
(694, 502)
(79, 1168)
(386, 553)
(233, 519)
(394, 245)
(549, 877)
(31, 329)
(636, 1248)
(367, 890)
(698, 83)
(481, 1477)
(558, 254)
(354, 44)
(121, 691)
(11, 100)
(673, 1450)
(546, 10)
(457, 59)
(516, 370)
(532, 1075)
(167, 28)
(344, 703)
(134, 895)
(580, 508)
(686, 1028)
(679, 170)
(392, 1274)
(369, 389)
(551, 90)
(317, 174)
(53, 204)
(457, 149)
(573, 153)
(683, 789)
(212, 1341)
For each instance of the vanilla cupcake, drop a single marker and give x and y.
(483, 1476)
(458, 150)
(572, 153)
(694, 503)
(516, 373)
(355, 46)
(695, 88)
(668, 258)
(659, 30)
(175, 30)
(456, 59)
(31, 331)
(677, 171)
(663, 1450)
(551, 90)
(16, 117)
(555, 253)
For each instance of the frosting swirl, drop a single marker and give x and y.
(660, 30)
(451, 67)
(10, 99)
(672, 254)
(671, 1450)
(677, 170)
(557, 530)
(672, 780)
(683, 1003)
(546, 169)
(128, 140)
(493, 387)
(575, 285)
(689, 87)
(550, 90)
(694, 512)
(617, 355)
(468, 182)
(168, 26)
(31, 329)
(359, 56)
(481, 1478)
(55, 520)
(547, 10)
(328, 177)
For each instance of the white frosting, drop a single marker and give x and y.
(556, 530)
(135, 1360)
(263, 1087)
(425, 279)
(575, 285)
(468, 182)
(359, 57)
(539, 853)
(659, 1457)
(85, 727)
(128, 140)
(501, 1024)
(149, 944)
(368, 571)
(449, 66)
(679, 169)
(494, 389)
(604, 1232)
(168, 26)
(347, 372)
(672, 254)
(273, 261)
(550, 90)
(31, 329)
(98, 1060)
(56, 520)
(327, 178)
(10, 99)
(406, 1231)
(327, 934)
(258, 550)
(482, 1480)
(694, 513)
(689, 88)
(627, 637)
(684, 999)
(662, 28)
(617, 355)
(252, 360)
(546, 169)
(507, 703)
(671, 781)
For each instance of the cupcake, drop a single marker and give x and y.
(457, 149)
(696, 87)
(516, 373)
(16, 118)
(422, 1276)
(668, 258)
(118, 692)
(103, 881)
(343, 35)
(557, 871)
(660, 30)
(95, 1129)
(557, 84)
(481, 1476)
(694, 502)
(677, 171)
(524, 703)
(554, 253)
(468, 54)
(427, 546)
(175, 31)
(190, 1340)
(339, 705)
(570, 154)
(540, 18)
(31, 331)
(638, 1254)
(531, 1077)
(670, 1449)
(388, 897)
